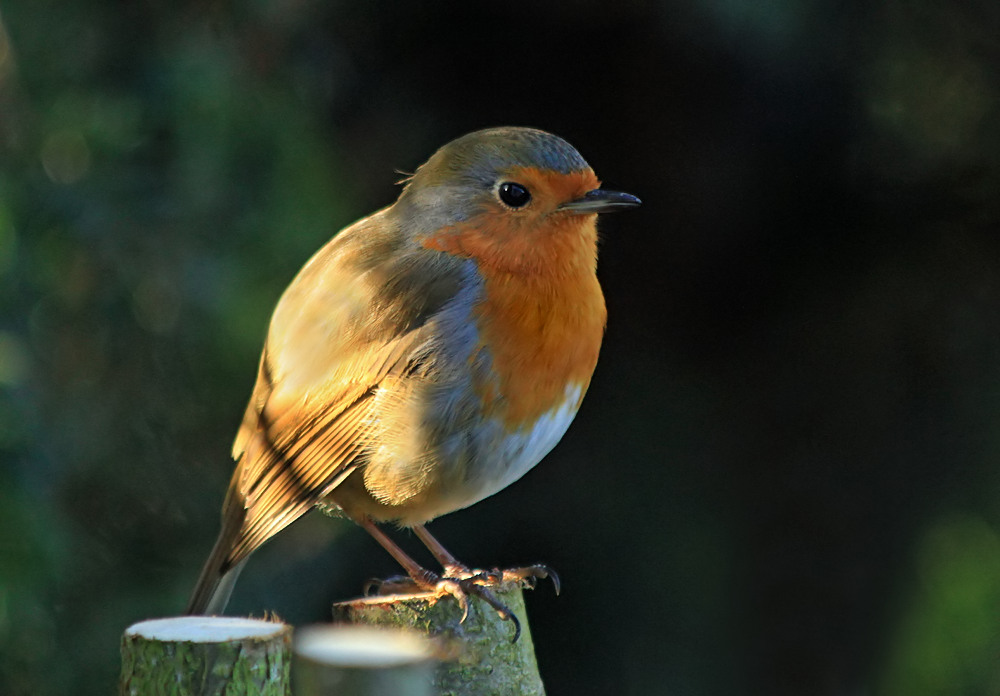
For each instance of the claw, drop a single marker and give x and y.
(529, 574)
(556, 582)
(517, 627)
(455, 588)
(473, 587)
(543, 571)
(463, 604)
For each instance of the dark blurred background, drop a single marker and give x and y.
(786, 477)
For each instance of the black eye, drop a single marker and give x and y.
(514, 195)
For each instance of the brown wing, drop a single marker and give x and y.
(288, 460)
(349, 325)
(294, 458)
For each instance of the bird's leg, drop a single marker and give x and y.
(453, 568)
(459, 588)
(420, 575)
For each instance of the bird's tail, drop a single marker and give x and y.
(215, 584)
(218, 576)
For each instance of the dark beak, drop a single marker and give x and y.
(601, 201)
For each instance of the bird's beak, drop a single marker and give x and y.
(601, 201)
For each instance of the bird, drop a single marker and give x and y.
(426, 357)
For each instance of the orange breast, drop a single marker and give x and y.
(542, 317)
(543, 338)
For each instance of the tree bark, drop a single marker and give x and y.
(483, 659)
(205, 656)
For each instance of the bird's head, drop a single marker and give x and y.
(512, 198)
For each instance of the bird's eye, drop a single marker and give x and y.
(513, 194)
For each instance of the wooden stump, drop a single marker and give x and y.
(361, 661)
(484, 660)
(206, 655)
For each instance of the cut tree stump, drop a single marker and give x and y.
(481, 658)
(361, 661)
(205, 656)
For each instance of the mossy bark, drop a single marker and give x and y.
(206, 656)
(483, 658)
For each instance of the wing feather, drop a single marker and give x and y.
(285, 471)
(339, 340)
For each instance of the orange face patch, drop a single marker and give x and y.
(536, 239)
(550, 189)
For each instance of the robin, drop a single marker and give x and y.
(426, 357)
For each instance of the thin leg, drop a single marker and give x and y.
(420, 575)
(452, 566)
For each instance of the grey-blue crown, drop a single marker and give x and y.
(497, 148)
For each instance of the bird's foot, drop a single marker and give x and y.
(460, 582)
(525, 577)
(462, 588)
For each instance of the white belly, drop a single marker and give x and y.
(519, 452)
(500, 460)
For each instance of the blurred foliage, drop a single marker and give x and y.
(785, 477)
(947, 642)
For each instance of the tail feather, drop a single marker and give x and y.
(215, 584)
(218, 576)
(214, 588)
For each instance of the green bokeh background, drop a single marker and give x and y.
(786, 476)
